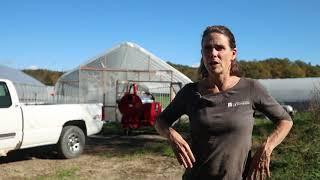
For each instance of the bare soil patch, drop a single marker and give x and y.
(112, 157)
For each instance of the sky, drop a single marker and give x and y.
(62, 34)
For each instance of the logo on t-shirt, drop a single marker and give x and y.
(235, 104)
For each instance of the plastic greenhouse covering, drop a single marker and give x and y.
(107, 77)
(294, 91)
(29, 89)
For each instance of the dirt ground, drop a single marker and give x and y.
(112, 157)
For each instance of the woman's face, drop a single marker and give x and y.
(217, 54)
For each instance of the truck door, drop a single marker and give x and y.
(10, 120)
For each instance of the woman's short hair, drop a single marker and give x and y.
(235, 70)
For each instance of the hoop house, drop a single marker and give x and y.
(29, 89)
(106, 77)
(293, 91)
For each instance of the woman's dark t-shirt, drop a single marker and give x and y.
(221, 126)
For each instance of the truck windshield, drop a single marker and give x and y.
(5, 99)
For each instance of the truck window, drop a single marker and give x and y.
(5, 99)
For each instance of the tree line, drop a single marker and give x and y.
(265, 69)
(47, 77)
(270, 68)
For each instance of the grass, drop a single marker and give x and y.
(115, 128)
(62, 174)
(164, 99)
(135, 148)
(161, 148)
(150, 148)
(66, 173)
(297, 157)
(112, 128)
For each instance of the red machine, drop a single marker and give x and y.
(137, 112)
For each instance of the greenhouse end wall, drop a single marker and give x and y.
(107, 86)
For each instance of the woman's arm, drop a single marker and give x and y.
(259, 167)
(179, 146)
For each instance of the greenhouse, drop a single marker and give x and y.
(105, 78)
(293, 91)
(29, 89)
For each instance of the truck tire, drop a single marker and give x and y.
(71, 142)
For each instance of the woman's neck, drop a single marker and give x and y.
(220, 81)
(216, 84)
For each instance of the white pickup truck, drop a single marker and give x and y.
(66, 125)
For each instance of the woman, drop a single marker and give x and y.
(220, 108)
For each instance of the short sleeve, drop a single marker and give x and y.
(265, 103)
(177, 107)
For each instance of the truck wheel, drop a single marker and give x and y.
(71, 143)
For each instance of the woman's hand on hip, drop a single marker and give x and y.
(259, 167)
(181, 149)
